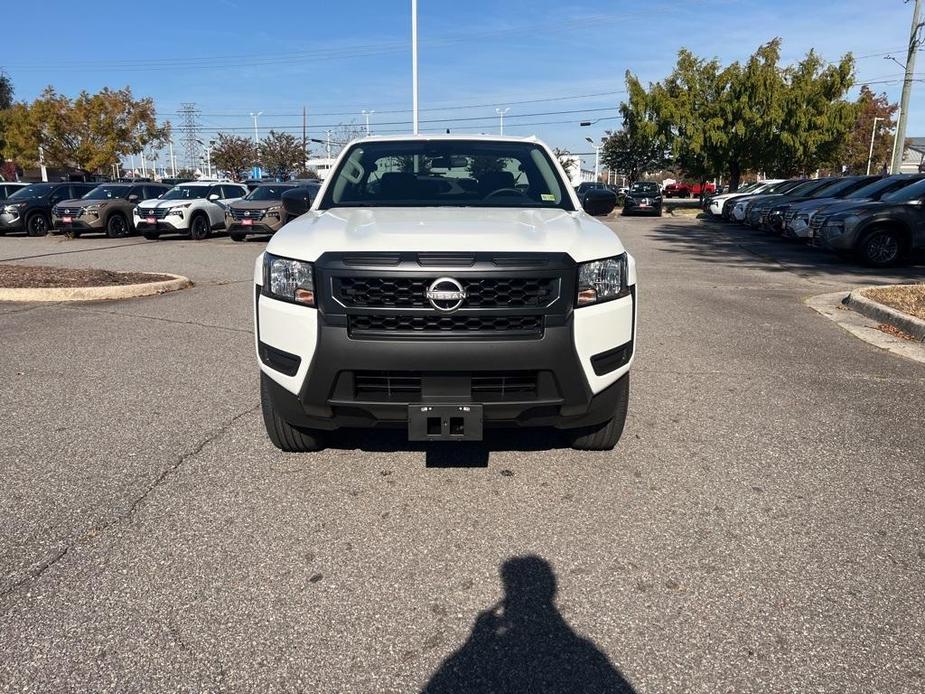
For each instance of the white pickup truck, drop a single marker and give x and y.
(443, 285)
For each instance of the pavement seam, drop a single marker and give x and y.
(121, 314)
(52, 558)
(76, 250)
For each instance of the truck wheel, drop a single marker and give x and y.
(199, 227)
(604, 436)
(151, 235)
(283, 435)
(37, 225)
(882, 248)
(117, 226)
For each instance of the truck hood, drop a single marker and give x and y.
(456, 229)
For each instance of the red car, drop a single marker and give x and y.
(688, 190)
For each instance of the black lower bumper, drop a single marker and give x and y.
(76, 225)
(443, 373)
(258, 228)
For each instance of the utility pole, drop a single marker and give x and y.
(255, 116)
(501, 116)
(328, 144)
(42, 163)
(414, 63)
(304, 138)
(873, 132)
(367, 114)
(173, 162)
(899, 144)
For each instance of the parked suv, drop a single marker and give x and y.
(881, 233)
(29, 209)
(262, 211)
(490, 301)
(196, 209)
(106, 209)
(643, 196)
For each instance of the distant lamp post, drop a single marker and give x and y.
(367, 114)
(597, 157)
(873, 134)
(255, 116)
(501, 113)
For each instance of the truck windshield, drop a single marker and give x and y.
(446, 173)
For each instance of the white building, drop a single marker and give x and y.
(321, 165)
(573, 170)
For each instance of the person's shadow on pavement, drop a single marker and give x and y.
(523, 644)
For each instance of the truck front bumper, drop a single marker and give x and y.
(324, 379)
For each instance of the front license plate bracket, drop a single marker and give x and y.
(444, 422)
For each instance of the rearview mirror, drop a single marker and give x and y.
(296, 202)
(599, 202)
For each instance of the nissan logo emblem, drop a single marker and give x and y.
(247, 214)
(445, 294)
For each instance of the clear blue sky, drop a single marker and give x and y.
(233, 57)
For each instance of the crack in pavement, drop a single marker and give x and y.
(53, 557)
(121, 314)
(77, 250)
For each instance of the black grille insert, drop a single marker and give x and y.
(409, 292)
(411, 386)
(455, 324)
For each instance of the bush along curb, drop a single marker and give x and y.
(120, 291)
(884, 314)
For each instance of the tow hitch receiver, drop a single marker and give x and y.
(444, 422)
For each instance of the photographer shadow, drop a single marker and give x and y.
(523, 644)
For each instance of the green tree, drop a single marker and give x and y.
(643, 144)
(6, 91)
(90, 132)
(233, 154)
(856, 148)
(281, 154)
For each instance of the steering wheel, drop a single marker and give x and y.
(502, 191)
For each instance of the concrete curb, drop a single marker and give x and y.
(884, 314)
(124, 291)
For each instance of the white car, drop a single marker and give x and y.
(196, 209)
(714, 204)
(443, 309)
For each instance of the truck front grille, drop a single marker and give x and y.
(481, 292)
(430, 325)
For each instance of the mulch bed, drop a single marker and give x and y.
(908, 298)
(45, 277)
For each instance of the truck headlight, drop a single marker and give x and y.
(288, 280)
(601, 280)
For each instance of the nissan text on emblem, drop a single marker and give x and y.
(445, 294)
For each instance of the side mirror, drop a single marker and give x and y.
(599, 202)
(213, 197)
(296, 202)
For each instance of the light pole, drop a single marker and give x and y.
(367, 114)
(414, 64)
(255, 116)
(501, 116)
(873, 132)
(597, 157)
(173, 162)
(899, 144)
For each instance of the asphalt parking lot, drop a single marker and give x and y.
(760, 527)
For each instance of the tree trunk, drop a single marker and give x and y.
(735, 173)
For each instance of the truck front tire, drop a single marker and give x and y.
(284, 435)
(604, 436)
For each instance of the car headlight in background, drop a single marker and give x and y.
(273, 211)
(12, 209)
(288, 280)
(601, 280)
(178, 209)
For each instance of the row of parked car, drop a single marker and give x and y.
(880, 220)
(195, 208)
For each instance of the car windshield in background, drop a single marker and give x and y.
(645, 188)
(843, 187)
(806, 187)
(914, 192)
(783, 187)
(882, 187)
(268, 192)
(107, 193)
(446, 173)
(186, 193)
(33, 191)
